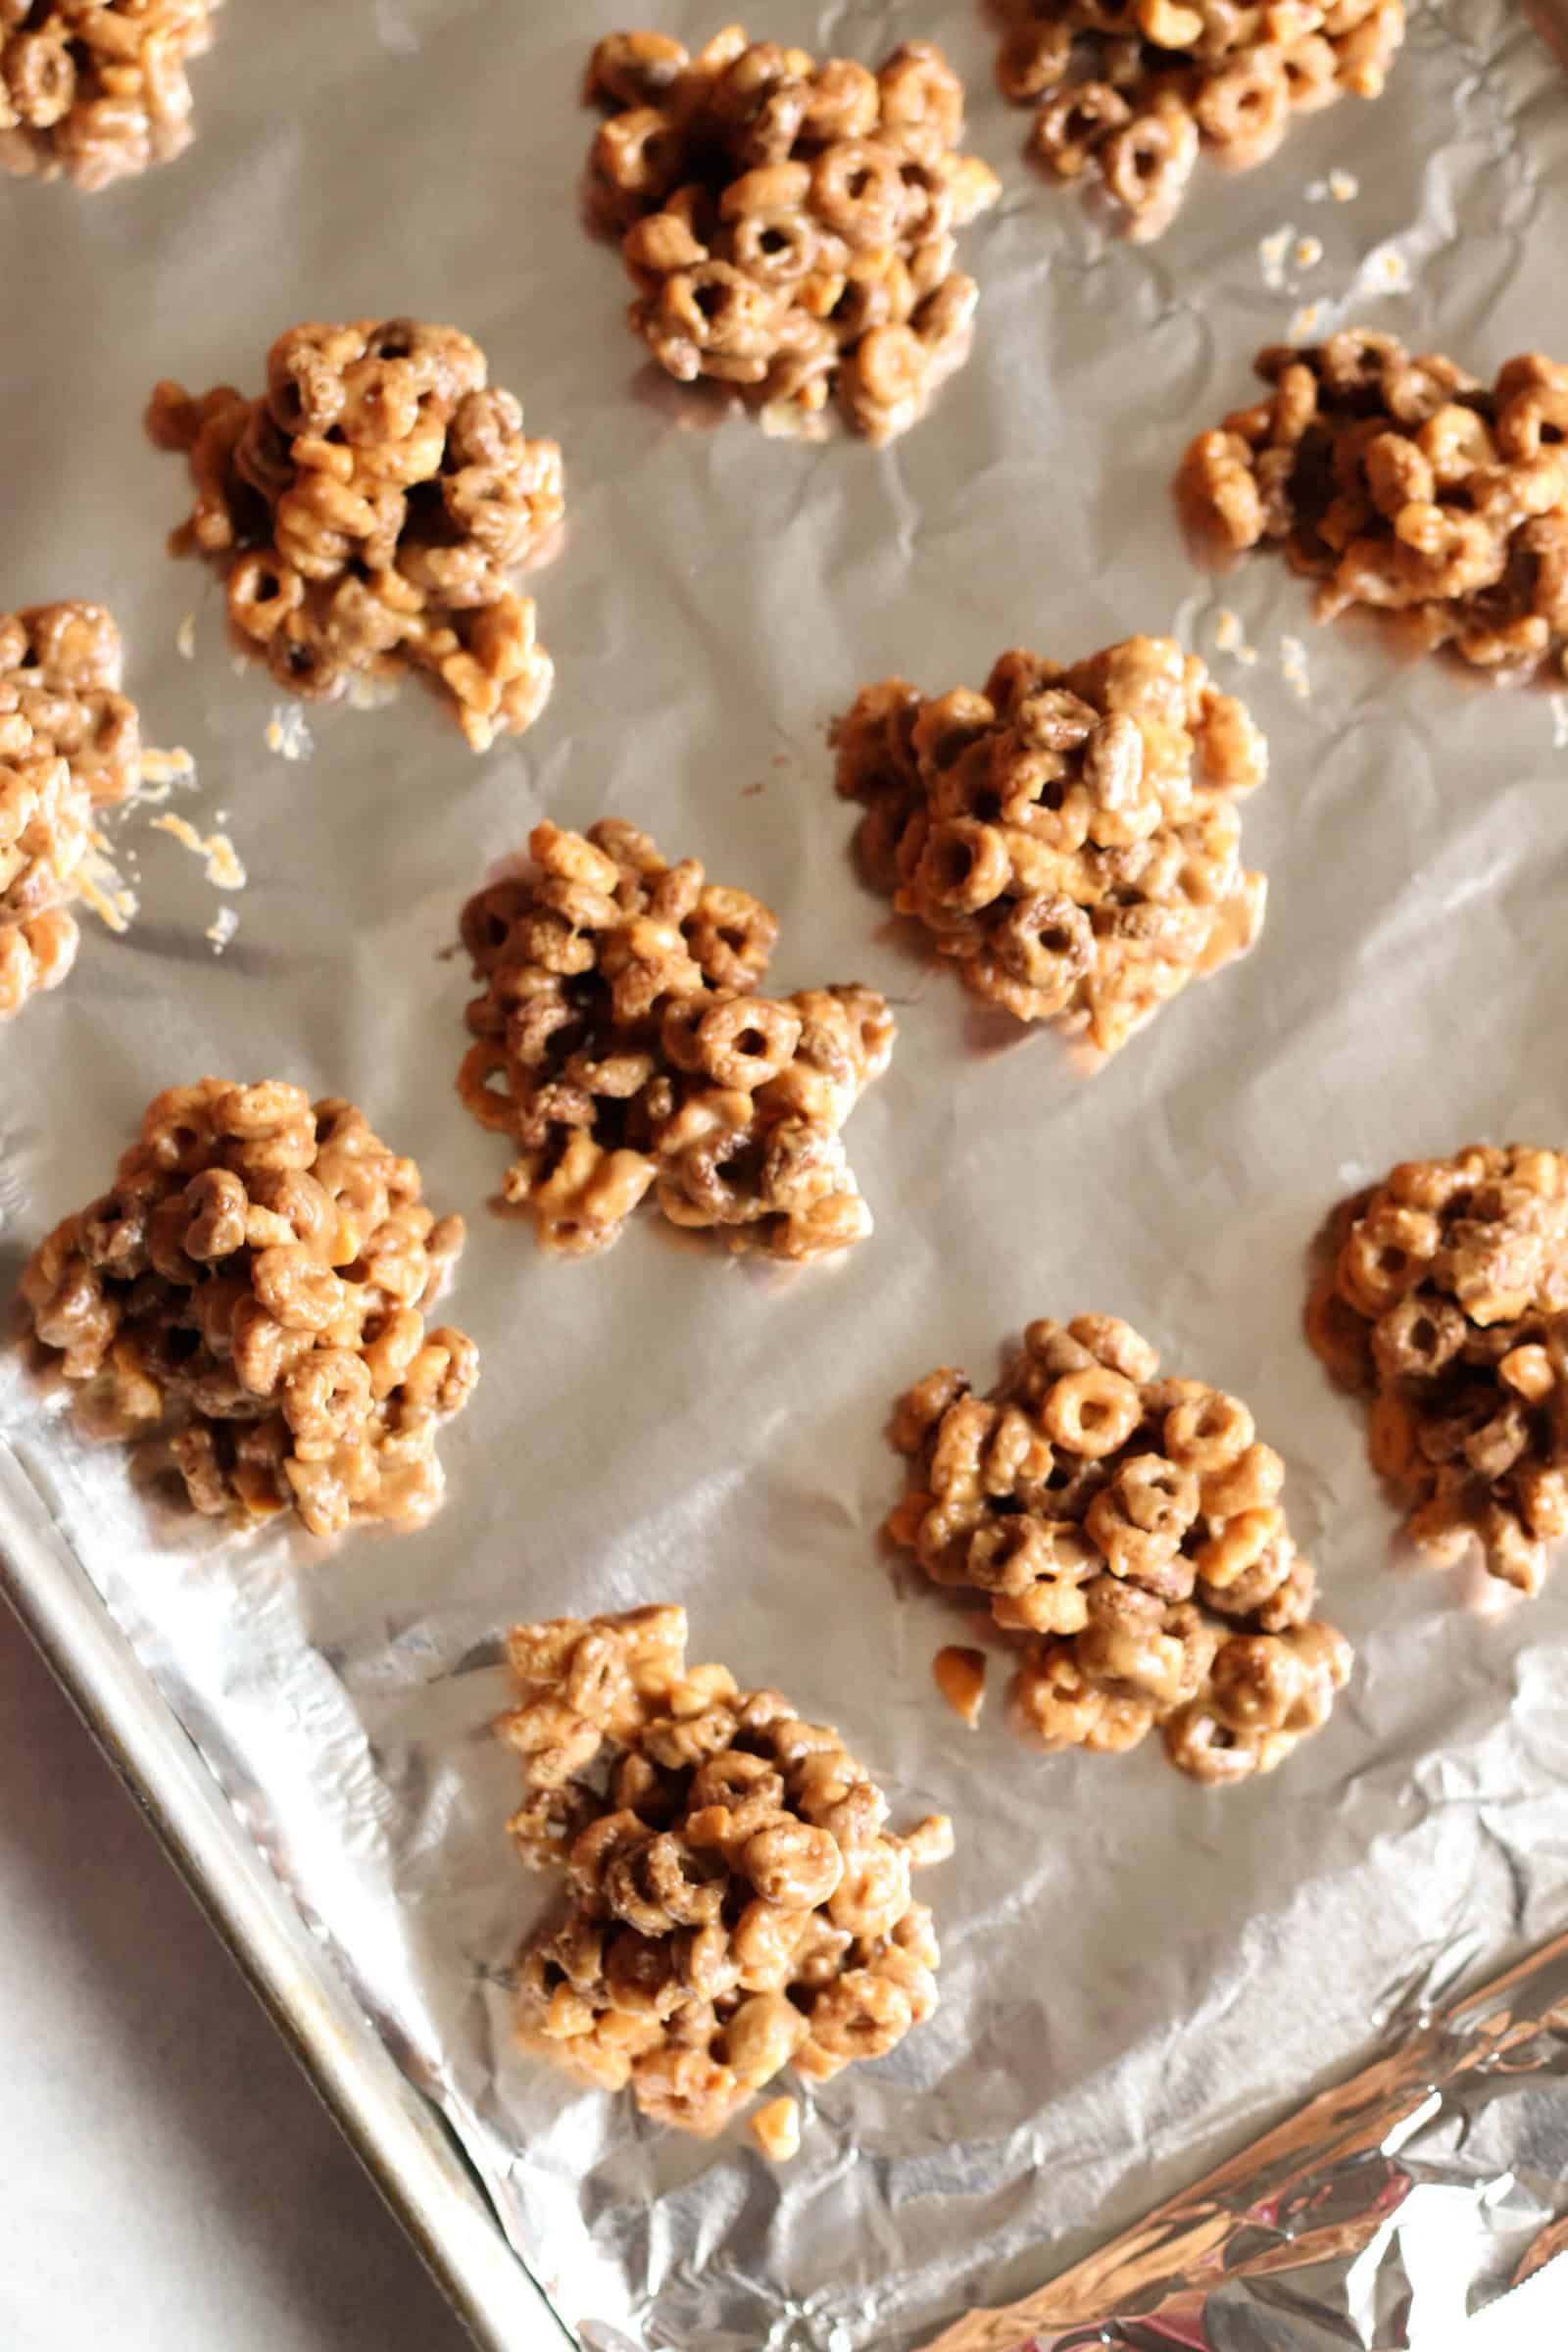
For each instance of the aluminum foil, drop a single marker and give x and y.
(1139, 1974)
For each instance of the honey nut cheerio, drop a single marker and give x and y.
(789, 225)
(1069, 837)
(1443, 1296)
(369, 510)
(1130, 1526)
(1400, 482)
(70, 745)
(1130, 93)
(97, 88)
(625, 1049)
(249, 1292)
(734, 1903)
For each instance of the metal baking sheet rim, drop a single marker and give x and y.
(397, 2135)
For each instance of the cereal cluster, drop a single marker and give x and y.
(1070, 837)
(97, 88)
(369, 509)
(69, 742)
(622, 1046)
(1137, 88)
(1133, 1526)
(249, 1289)
(1442, 1295)
(788, 226)
(1402, 483)
(734, 1904)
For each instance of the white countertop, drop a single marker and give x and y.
(167, 2176)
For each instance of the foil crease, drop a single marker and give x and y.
(1139, 1974)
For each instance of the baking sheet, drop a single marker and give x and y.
(1139, 1974)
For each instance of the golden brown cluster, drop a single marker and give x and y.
(624, 1045)
(1133, 1526)
(250, 1289)
(69, 742)
(789, 226)
(1070, 837)
(369, 510)
(734, 1902)
(1138, 89)
(1402, 483)
(1442, 1295)
(97, 88)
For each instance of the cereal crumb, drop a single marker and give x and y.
(960, 1677)
(1293, 667)
(108, 908)
(1309, 253)
(1393, 269)
(224, 870)
(186, 638)
(167, 767)
(1230, 637)
(1306, 323)
(776, 2130)
(288, 733)
(1343, 186)
(1272, 250)
(222, 929)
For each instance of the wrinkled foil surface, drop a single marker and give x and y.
(1141, 1976)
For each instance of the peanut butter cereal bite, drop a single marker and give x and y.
(368, 511)
(1069, 838)
(1442, 1297)
(1130, 93)
(1129, 1525)
(623, 1047)
(249, 1292)
(1403, 484)
(97, 88)
(70, 745)
(734, 1903)
(789, 226)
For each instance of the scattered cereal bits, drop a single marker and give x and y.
(70, 744)
(248, 1291)
(789, 226)
(734, 1904)
(1131, 1526)
(1442, 1295)
(1403, 484)
(97, 88)
(368, 510)
(1138, 89)
(623, 1047)
(1069, 837)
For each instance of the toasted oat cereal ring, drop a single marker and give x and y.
(1148, 161)
(964, 866)
(1075, 123)
(844, 102)
(263, 591)
(858, 192)
(1091, 1412)
(1244, 110)
(747, 1040)
(1207, 1432)
(1048, 941)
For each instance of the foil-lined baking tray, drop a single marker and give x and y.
(1140, 1975)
